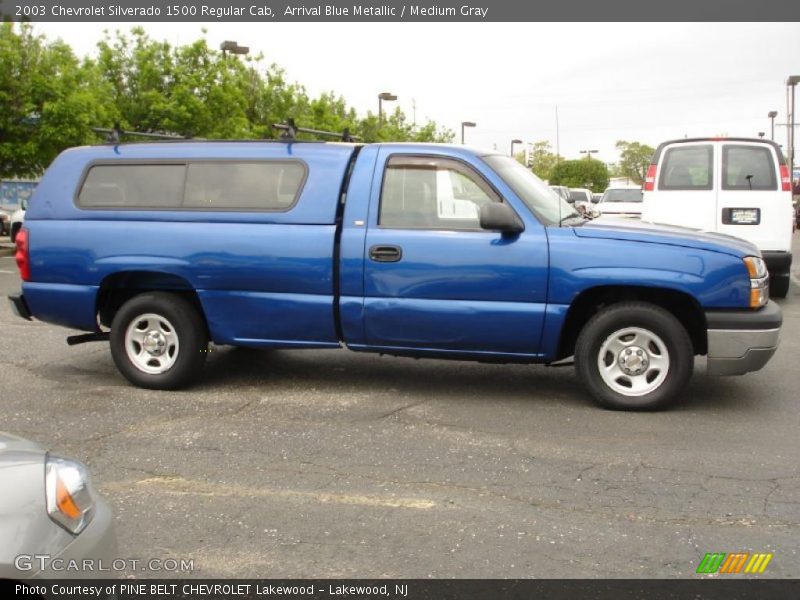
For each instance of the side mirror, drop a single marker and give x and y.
(500, 217)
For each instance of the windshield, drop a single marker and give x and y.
(622, 195)
(577, 196)
(543, 202)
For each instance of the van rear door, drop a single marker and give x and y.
(750, 197)
(684, 192)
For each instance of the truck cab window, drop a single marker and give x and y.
(432, 193)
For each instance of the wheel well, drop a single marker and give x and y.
(682, 306)
(117, 289)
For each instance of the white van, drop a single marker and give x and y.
(736, 186)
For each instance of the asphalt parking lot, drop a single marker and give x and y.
(337, 464)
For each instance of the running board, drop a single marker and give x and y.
(99, 336)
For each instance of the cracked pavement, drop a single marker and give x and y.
(340, 464)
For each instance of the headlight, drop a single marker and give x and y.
(759, 281)
(70, 500)
(756, 267)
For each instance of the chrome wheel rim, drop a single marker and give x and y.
(633, 361)
(151, 343)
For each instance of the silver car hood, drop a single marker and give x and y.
(12, 444)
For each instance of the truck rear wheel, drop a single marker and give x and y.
(158, 341)
(634, 356)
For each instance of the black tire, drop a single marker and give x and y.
(13, 233)
(650, 319)
(190, 351)
(779, 285)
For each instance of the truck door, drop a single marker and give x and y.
(434, 280)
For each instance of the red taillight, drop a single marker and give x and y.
(650, 179)
(23, 260)
(786, 181)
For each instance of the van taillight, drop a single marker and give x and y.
(23, 259)
(786, 181)
(650, 179)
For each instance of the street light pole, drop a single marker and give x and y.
(233, 47)
(512, 146)
(791, 82)
(772, 114)
(384, 97)
(463, 125)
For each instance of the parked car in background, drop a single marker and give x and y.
(621, 201)
(562, 191)
(17, 219)
(581, 198)
(596, 197)
(737, 186)
(13, 193)
(797, 214)
(5, 222)
(49, 512)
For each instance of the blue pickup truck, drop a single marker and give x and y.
(418, 250)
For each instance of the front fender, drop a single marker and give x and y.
(714, 279)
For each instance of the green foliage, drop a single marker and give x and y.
(196, 90)
(544, 160)
(634, 160)
(49, 100)
(583, 173)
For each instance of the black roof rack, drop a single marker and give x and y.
(114, 135)
(290, 131)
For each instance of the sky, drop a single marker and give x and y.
(640, 82)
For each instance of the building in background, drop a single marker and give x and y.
(12, 192)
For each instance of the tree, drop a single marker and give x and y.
(634, 160)
(544, 160)
(583, 173)
(49, 101)
(195, 90)
(191, 89)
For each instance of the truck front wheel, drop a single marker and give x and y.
(158, 341)
(634, 356)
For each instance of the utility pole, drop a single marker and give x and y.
(558, 149)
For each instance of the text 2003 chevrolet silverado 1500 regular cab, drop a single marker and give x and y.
(408, 249)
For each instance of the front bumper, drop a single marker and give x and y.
(20, 307)
(90, 554)
(741, 341)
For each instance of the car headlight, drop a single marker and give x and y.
(68, 489)
(759, 280)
